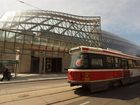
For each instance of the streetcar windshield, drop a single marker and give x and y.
(79, 61)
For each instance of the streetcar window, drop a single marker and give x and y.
(117, 62)
(135, 64)
(79, 61)
(96, 61)
(109, 59)
(124, 64)
(109, 62)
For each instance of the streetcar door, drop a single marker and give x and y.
(125, 68)
(124, 64)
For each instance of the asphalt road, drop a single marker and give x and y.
(58, 92)
(29, 86)
(125, 95)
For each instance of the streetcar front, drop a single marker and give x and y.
(79, 64)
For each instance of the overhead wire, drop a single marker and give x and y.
(30, 5)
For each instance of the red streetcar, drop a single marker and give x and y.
(98, 69)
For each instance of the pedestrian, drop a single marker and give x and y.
(6, 74)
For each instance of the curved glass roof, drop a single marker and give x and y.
(53, 24)
(70, 29)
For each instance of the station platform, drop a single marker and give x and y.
(33, 77)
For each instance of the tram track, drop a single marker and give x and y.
(35, 89)
(48, 92)
(26, 97)
(62, 95)
(82, 94)
(58, 102)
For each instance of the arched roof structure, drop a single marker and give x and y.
(61, 30)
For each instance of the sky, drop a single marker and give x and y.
(121, 17)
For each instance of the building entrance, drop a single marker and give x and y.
(53, 65)
(34, 64)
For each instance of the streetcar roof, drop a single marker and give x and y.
(108, 51)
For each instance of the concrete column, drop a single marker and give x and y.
(40, 64)
(44, 68)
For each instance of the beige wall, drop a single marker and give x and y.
(25, 60)
(25, 64)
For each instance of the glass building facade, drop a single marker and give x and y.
(40, 40)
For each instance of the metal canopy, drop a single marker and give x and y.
(65, 28)
(60, 31)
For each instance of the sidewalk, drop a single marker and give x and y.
(34, 77)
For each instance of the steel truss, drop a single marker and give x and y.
(60, 31)
(71, 28)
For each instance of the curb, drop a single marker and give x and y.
(32, 80)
